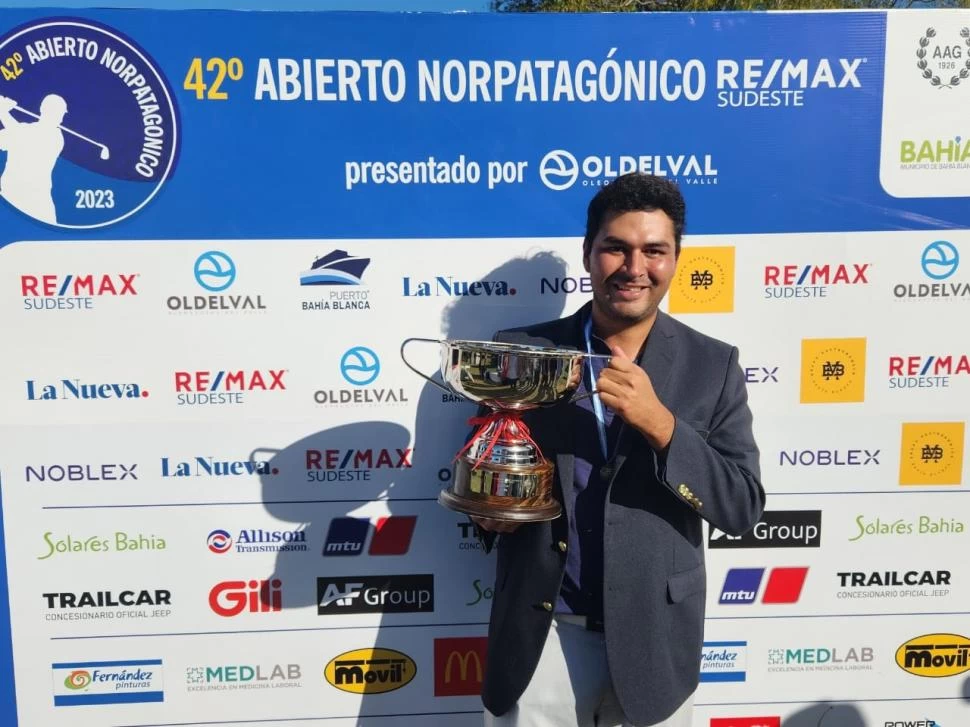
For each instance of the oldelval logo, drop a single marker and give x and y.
(935, 655)
(931, 454)
(704, 282)
(459, 666)
(833, 370)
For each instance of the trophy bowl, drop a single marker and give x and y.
(501, 474)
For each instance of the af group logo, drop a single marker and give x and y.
(833, 370)
(231, 598)
(845, 457)
(227, 386)
(812, 280)
(560, 169)
(775, 529)
(360, 367)
(370, 671)
(338, 276)
(935, 655)
(215, 272)
(867, 528)
(209, 466)
(71, 389)
(109, 165)
(883, 585)
(784, 586)
(391, 535)
(704, 282)
(104, 472)
(74, 291)
(821, 658)
(931, 454)
(107, 682)
(119, 542)
(933, 371)
(939, 261)
(398, 593)
(354, 464)
(459, 666)
(108, 605)
(724, 661)
(745, 721)
(257, 540)
(242, 677)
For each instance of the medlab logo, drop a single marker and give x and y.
(215, 272)
(724, 661)
(233, 677)
(939, 262)
(341, 274)
(360, 367)
(74, 291)
(113, 472)
(226, 386)
(821, 658)
(391, 535)
(559, 169)
(776, 529)
(741, 586)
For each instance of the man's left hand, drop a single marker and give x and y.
(626, 389)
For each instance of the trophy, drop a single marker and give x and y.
(500, 473)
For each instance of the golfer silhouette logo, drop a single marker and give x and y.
(89, 130)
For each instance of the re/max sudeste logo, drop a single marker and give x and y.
(227, 386)
(73, 291)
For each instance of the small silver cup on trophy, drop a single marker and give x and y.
(500, 473)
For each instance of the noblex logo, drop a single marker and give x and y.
(935, 655)
(745, 721)
(931, 454)
(833, 370)
(392, 535)
(459, 666)
(704, 282)
(741, 585)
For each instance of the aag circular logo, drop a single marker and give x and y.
(215, 271)
(88, 122)
(360, 366)
(940, 260)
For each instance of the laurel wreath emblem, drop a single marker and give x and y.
(923, 64)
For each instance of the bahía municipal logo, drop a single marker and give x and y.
(92, 128)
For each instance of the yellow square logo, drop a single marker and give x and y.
(833, 370)
(931, 454)
(704, 282)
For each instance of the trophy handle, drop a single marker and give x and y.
(419, 373)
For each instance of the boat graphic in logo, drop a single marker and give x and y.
(336, 268)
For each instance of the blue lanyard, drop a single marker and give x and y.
(597, 404)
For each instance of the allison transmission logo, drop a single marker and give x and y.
(559, 169)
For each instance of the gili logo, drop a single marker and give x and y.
(231, 598)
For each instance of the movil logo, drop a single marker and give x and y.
(73, 291)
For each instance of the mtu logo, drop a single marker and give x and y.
(71, 291)
(76, 389)
(392, 535)
(225, 387)
(212, 467)
(742, 585)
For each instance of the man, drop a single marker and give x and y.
(598, 616)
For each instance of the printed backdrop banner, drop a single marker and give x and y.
(219, 478)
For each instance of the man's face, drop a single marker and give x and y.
(631, 263)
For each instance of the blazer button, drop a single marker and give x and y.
(562, 546)
(683, 490)
(546, 605)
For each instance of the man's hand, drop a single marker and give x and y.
(626, 389)
(495, 526)
(7, 104)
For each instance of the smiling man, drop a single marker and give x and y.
(598, 616)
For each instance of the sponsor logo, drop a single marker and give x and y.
(939, 261)
(824, 658)
(935, 655)
(107, 682)
(73, 291)
(111, 165)
(231, 598)
(351, 465)
(941, 58)
(923, 525)
(80, 472)
(566, 284)
(215, 272)
(229, 386)
(724, 661)
(392, 535)
(926, 372)
(398, 593)
(741, 585)
(829, 457)
(776, 529)
(236, 677)
(459, 666)
(704, 282)
(100, 605)
(893, 584)
(912, 723)
(482, 593)
(468, 539)
(258, 541)
(342, 274)
(745, 721)
(213, 467)
(833, 370)
(787, 282)
(370, 671)
(760, 82)
(938, 153)
(360, 367)
(120, 543)
(931, 454)
(84, 391)
(761, 374)
(452, 288)
(559, 169)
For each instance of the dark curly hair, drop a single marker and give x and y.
(636, 192)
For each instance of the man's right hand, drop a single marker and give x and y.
(495, 526)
